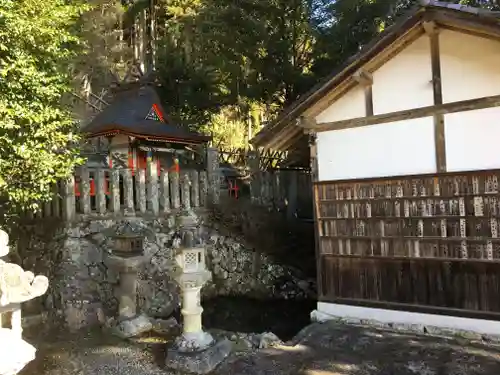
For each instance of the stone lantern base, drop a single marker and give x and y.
(131, 327)
(198, 361)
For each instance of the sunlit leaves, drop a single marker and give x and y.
(37, 50)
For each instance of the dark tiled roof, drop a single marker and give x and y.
(127, 114)
(414, 15)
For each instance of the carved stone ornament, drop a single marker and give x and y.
(16, 284)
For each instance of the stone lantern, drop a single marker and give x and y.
(125, 258)
(195, 351)
(127, 243)
(16, 286)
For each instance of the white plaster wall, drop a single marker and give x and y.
(472, 140)
(470, 66)
(394, 149)
(405, 81)
(350, 105)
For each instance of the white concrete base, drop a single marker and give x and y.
(329, 311)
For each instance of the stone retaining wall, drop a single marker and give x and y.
(81, 286)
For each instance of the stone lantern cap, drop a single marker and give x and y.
(128, 241)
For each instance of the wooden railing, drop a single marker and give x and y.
(116, 191)
(133, 192)
(284, 190)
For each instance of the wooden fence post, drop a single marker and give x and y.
(56, 201)
(141, 190)
(128, 192)
(276, 190)
(152, 187)
(203, 188)
(47, 209)
(69, 202)
(85, 191)
(291, 207)
(100, 192)
(253, 163)
(164, 192)
(195, 188)
(115, 190)
(185, 190)
(174, 190)
(213, 175)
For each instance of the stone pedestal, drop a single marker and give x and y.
(129, 323)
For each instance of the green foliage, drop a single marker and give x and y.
(36, 50)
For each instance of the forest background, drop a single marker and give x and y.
(226, 68)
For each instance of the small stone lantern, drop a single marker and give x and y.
(125, 258)
(128, 243)
(195, 351)
(191, 274)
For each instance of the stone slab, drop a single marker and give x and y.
(202, 362)
(133, 327)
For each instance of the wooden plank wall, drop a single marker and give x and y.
(423, 241)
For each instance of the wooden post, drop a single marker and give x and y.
(262, 195)
(291, 207)
(439, 137)
(141, 190)
(115, 190)
(203, 188)
(213, 175)
(128, 192)
(69, 203)
(316, 209)
(85, 191)
(164, 192)
(174, 190)
(276, 190)
(185, 190)
(152, 187)
(253, 163)
(195, 188)
(365, 79)
(100, 193)
(56, 201)
(47, 209)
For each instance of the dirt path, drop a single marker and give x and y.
(320, 349)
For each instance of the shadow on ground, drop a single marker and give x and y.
(320, 349)
(332, 348)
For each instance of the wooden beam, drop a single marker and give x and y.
(407, 114)
(439, 137)
(365, 79)
(368, 100)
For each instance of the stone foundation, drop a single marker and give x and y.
(82, 286)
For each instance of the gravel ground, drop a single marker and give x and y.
(320, 349)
